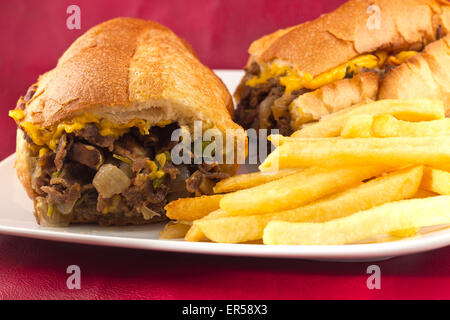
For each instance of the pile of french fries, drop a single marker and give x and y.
(378, 169)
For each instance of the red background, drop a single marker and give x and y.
(33, 35)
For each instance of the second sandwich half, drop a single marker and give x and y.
(94, 134)
(364, 50)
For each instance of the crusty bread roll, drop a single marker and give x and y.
(426, 75)
(330, 98)
(122, 73)
(335, 38)
(127, 68)
(358, 37)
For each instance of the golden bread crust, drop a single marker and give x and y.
(312, 106)
(335, 38)
(23, 163)
(126, 68)
(426, 75)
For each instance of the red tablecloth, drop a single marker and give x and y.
(33, 35)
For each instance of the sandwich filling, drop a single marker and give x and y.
(90, 170)
(267, 90)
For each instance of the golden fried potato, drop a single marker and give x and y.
(249, 180)
(436, 180)
(295, 190)
(444, 167)
(385, 125)
(195, 233)
(336, 152)
(408, 110)
(189, 209)
(398, 185)
(174, 230)
(421, 193)
(384, 219)
(388, 126)
(359, 126)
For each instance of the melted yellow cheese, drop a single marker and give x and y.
(293, 80)
(17, 115)
(50, 136)
(401, 57)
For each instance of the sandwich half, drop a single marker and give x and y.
(426, 75)
(95, 134)
(297, 75)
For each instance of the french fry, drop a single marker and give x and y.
(195, 233)
(189, 209)
(404, 233)
(387, 126)
(384, 219)
(335, 152)
(359, 126)
(234, 229)
(421, 193)
(249, 180)
(295, 190)
(436, 180)
(408, 110)
(398, 185)
(444, 167)
(174, 230)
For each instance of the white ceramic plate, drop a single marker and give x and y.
(16, 218)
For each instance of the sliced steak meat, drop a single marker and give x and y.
(129, 147)
(284, 125)
(194, 181)
(204, 178)
(60, 195)
(142, 194)
(264, 109)
(91, 134)
(64, 144)
(111, 205)
(265, 105)
(71, 174)
(159, 195)
(87, 155)
(30, 93)
(177, 185)
(171, 170)
(164, 135)
(212, 171)
(251, 97)
(43, 169)
(27, 137)
(47, 163)
(140, 165)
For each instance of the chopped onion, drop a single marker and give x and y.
(55, 219)
(65, 208)
(110, 180)
(148, 213)
(126, 168)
